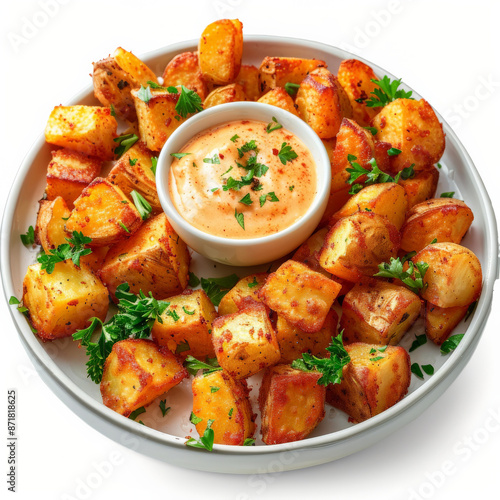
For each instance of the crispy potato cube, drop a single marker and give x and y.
(235, 299)
(422, 186)
(440, 321)
(62, 302)
(87, 129)
(245, 342)
(355, 77)
(387, 199)
(132, 172)
(302, 296)
(454, 277)
(307, 253)
(154, 259)
(220, 50)
(372, 381)
(248, 78)
(136, 372)
(441, 219)
(187, 325)
(69, 173)
(291, 402)
(221, 398)
(357, 244)
(293, 341)
(323, 103)
(134, 67)
(184, 69)
(50, 221)
(233, 92)
(412, 127)
(102, 212)
(279, 97)
(112, 86)
(157, 118)
(278, 71)
(378, 313)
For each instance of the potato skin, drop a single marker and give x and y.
(441, 219)
(138, 71)
(279, 97)
(440, 321)
(233, 92)
(224, 400)
(307, 253)
(248, 78)
(422, 186)
(235, 299)
(136, 372)
(49, 230)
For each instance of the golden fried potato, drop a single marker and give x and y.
(422, 186)
(87, 129)
(248, 78)
(134, 67)
(441, 219)
(279, 97)
(245, 342)
(154, 259)
(378, 313)
(454, 277)
(412, 127)
(440, 321)
(50, 221)
(291, 402)
(372, 382)
(133, 172)
(69, 173)
(235, 299)
(186, 325)
(220, 51)
(302, 296)
(184, 69)
(233, 92)
(221, 398)
(136, 372)
(357, 244)
(62, 302)
(278, 71)
(355, 77)
(293, 341)
(323, 103)
(307, 252)
(102, 212)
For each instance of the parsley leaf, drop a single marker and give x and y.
(179, 155)
(154, 164)
(292, 88)
(189, 102)
(413, 277)
(137, 412)
(216, 288)
(373, 176)
(194, 281)
(419, 341)
(286, 153)
(246, 200)
(142, 205)
(234, 138)
(271, 127)
(214, 160)
(125, 143)
(28, 239)
(269, 196)
(144, 94)
(192, 365)
(387, 92)
(240, 217)
(449, 194)
(164, 410)
(248, 146)
(206, 441)
(451, 343)
(394, 152)
(194, 419)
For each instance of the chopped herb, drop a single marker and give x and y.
(439, 165)
(173, 314)
(248, 146)
(419, 341)
(408, 172)
(234, 138)
(194, 165)
(448, 194)
(230, 414)
(125, 143)
(249, 442)
(137, 412)
(28, 238)
(470, 310)
(194, 281)
(269, 196)
(189, 102)
(214, 388)
(132, 162)
(246, 200)
(240, 218)
(393, 152)
(378, 358)
(415, 368)
(374, 176)
(216, 288)
(292, 88)
(206, 441)
(291, 188)
(253, 283)
(413, 277)
(190, 313)
(144, 94)
(164, 410)
(226, 172)
(142, 205)
(182, 347)
(192, 365)
(429, 369)
(451, 343)
(154, 164)
(154, 85)
(387, 92)
(124, 227)
(271, 127)
(179, 155)
(286, 153)
(194, 419)
(113, 112)
(435, 240)
(214, 160)
(14, 301)
(373, 130)
(214, 189)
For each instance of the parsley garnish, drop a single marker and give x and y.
(113, 112)
(417, 370)
(286, 153)
(387, 92)
(134, 319)
(144, 94)
(154, 164)
(216, 288)
(269, 196)
(330, 368)
(214, 160)
(448, 194)
(292, 88)
(413, 278)
(248, 146)
(124, 227)
(253, 283)
(189, 102)
(249, 442)
(470, 310)
(419, 340)
(214, 388)
(393, 152)
(164, 410)
(179, 155)
(132, 162)
(240, 217)
(22, 309)
(190, 313)
(142, 205)
(193, 280)
(137, 412)
(74, 249)
(372, 130)
(192, 365)
(194, 419)
(374, 176)
(271, 127)
(206, 441)
(28, 239)
(246, 200)
(154, 85)
(125, 143)
(234, 138)
(182, 347)
(451, 343)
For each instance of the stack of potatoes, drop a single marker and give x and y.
(267, 320)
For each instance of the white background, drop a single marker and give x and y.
(447, 51)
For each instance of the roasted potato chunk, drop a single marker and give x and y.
(136, 372)
(50, 221)
(307, 253)
(441, 219)
(62, 302)
(357, 244)
(132, 172)
(422, 186)
(134, 67)
(245, 342)
(412, 127)
(440, 321)
(69, 173)
(293, 341)
(184, 69)
(292, 404)
(454, 277)
(248, 78)
(355, 77)
(302, 296)
(280, 98)
(233, 92)
(323, 103)
(372, 381)
(87, 129)
(157, 118)
(154, 259)
(235, 299)
(278, 71)
(220, 50)
(102, 212)
(186, 325)
(221, 398)
(378, 313)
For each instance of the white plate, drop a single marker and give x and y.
(62, 365)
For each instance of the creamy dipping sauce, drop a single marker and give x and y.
(232, 181)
